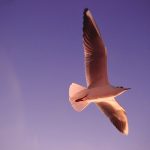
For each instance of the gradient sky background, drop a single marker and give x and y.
(41, 54)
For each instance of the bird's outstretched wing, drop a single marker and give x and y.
(95, 52)
(115, 113)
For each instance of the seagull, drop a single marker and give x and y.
(98, 90)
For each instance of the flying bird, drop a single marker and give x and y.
(98, 90)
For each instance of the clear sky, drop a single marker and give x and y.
(41, 54)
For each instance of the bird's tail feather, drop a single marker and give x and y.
(76, 95)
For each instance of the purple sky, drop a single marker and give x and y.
(41, 54)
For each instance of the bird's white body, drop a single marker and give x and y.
(102, 92)
(99, 90)
(98, 93)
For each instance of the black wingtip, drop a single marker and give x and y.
(85, 10)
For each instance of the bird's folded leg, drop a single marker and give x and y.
(81, 99)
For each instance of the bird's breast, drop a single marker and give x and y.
(99, 92)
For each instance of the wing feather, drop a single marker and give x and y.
(94, 52)
(115, 113)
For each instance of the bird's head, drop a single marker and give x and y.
(121, 89)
